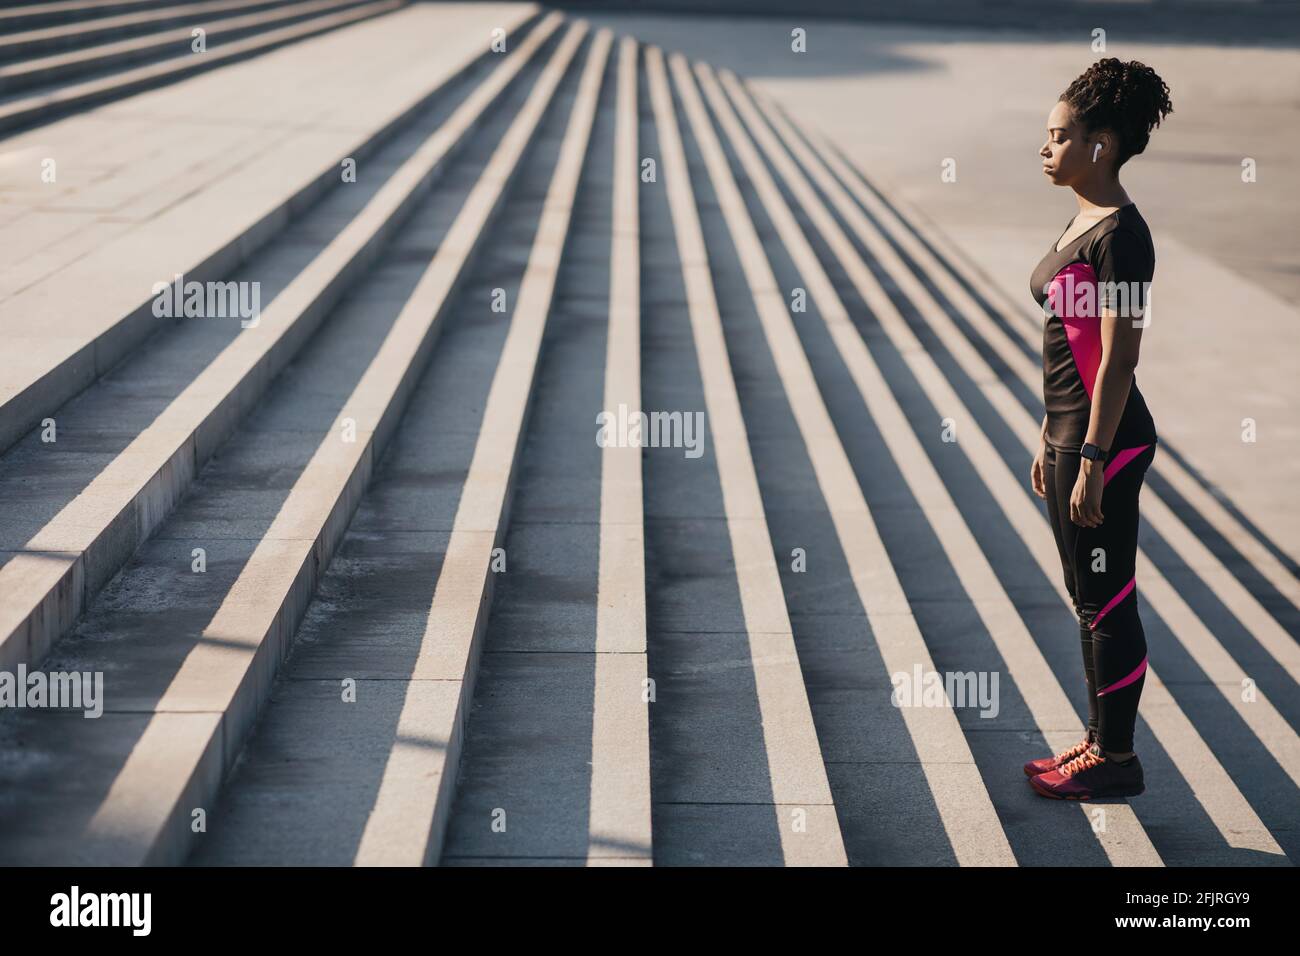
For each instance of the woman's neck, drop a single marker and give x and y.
(1103, 195)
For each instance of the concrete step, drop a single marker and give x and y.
(556, 762)
(31, 16)
(112, 482)
(55, 90)
(132, 206)
(412, 803)
(61, 68)
(746, 779)
(191, 679)
(50, 39)
(942, 752)
(405, 553)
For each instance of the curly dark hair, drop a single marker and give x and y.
(1129, 98)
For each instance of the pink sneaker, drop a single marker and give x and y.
(1044, 764)
(1089, 776)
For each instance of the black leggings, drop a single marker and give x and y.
(1099, 568)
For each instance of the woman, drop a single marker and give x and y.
(1098, 438)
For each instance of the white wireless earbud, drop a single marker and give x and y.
(1095, 150)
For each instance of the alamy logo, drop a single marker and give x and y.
(103, 909)
(215, 300)
(57, 690)
(628, 429)
(1128, 300)
(951, 689)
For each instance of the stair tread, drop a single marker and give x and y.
(99, 288)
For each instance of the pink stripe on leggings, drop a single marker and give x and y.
(1137, 672)
(1124, 592)
(1119, 461)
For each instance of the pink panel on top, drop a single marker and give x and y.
(1073, 297)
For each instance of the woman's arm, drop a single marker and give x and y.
(1123, 263)
(1036, 479)
(1121, 340)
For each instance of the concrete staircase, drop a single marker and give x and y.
(363, 586)
(64, 56)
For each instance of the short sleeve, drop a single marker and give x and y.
(1124, 266)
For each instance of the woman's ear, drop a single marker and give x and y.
(1101, 146)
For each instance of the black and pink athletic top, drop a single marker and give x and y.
(1110, 263)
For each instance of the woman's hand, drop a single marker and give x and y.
(1085, 499)
(1036, 479)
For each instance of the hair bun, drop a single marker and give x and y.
(1127, 97)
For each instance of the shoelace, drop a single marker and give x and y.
(1073, 752)
(1082, 762)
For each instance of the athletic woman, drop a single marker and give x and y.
(1098, 438)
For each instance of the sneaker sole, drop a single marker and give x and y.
(1057, 796)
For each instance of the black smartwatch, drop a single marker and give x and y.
(1091, 451)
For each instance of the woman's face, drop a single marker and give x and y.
(1068, 154)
